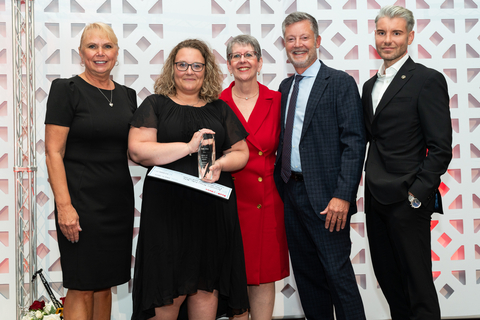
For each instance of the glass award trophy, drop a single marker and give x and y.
(206, 156)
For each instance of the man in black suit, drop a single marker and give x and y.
(407, 116)
(318, 168)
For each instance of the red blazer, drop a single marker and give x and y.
(260, 208)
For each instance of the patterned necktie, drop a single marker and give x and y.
(287, 136)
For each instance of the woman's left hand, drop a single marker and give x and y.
(233, 159)
(216, 170)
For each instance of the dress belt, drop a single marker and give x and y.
(297, 176)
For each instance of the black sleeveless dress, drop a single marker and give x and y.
(188, 240)
(98, 180)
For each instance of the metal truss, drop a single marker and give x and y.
(25, 164)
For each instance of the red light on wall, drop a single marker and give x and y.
(459, 254)
(443, 189)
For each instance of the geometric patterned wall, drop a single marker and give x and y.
(447, 38)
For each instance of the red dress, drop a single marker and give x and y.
(260, 208)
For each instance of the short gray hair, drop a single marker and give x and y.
(244, 40)
(298, 16)
(397, 12)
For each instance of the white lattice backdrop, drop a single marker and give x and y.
(447, 38)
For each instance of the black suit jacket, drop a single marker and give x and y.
(411, 120)
(332, 142)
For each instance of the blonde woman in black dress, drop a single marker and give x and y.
(86, 136)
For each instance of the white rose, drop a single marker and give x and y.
(49, 308)
(27, 317)
(39, 314)
(52, 317)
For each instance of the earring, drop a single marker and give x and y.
(231, 74)
(258, 72)
(116, 64)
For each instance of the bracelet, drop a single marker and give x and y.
(189, 152)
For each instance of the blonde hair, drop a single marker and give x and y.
(212, 82)
(103, 27)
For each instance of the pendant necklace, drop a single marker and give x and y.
(110, 102)
(246, 98)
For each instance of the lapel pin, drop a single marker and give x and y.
(403, 77)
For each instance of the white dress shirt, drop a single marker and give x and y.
(384, 78)
(305, 86)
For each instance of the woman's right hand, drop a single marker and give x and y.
(145, 150)
(55, 146)
(69, 223)
(196, 139)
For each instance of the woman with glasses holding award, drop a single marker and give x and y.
(189, 246)
(260, 208)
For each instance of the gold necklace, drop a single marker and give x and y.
(192, 105)
(246, 98)
(110, 102)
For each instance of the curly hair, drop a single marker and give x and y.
(212, 83)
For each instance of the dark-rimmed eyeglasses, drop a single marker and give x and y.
(183, 66)
(249, 55)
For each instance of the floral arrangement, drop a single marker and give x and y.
(39, 310)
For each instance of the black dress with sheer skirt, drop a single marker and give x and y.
(188, 240)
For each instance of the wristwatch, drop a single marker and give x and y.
(414, 202)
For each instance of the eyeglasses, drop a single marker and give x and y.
(183, 66)
(249, 55)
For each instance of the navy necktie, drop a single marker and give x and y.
(286, 171)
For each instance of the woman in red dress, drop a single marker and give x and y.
(260, 208)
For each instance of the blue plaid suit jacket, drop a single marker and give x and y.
(332, 143)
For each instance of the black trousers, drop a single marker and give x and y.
(399, 239)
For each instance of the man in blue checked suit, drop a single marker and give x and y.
(317, 171)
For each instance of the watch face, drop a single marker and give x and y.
(416, 203)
